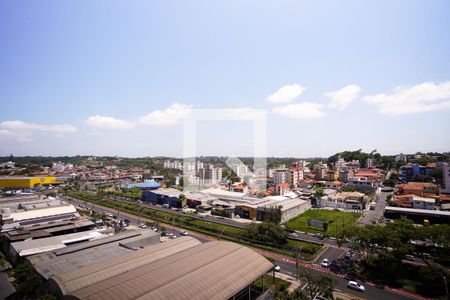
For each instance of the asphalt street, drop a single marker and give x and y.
(373, 216)
(287, 267)
(370, 293)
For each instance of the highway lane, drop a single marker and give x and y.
(220, 220)
(371, 293)
(135, 219)
(287, 267)
(331, 253)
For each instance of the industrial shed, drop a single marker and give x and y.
(214, 270)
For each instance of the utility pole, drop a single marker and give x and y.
(297, 257)
(446, 287)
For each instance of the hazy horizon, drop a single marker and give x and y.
(119, 79)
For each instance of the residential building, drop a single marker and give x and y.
(446, 179)
(281, 176)
(240, 170)
(401, 158)
(411, 171)
(210, 175)
(173, 164)
(346, 200)
(421, 189)
(320, 171)
(414, 201)
(370, 163)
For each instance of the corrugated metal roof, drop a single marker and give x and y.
(214, 270)
(79, 255)
(92, 274)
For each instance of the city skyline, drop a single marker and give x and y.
(119, 79)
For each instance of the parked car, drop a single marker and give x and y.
(165, 205)
(184, 232)
(318, 235)
(142, 225)
(356, 286)
(277, 268)
(349, 253)
(409, 257)
(325, 263)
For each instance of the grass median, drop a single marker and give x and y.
(202, 226)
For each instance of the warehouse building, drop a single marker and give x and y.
(29, 214)
(162, 196)
(35, 246)
(213, 270)
(253, 208)
(27, 182)
(77, 256)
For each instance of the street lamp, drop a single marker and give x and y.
(446, 287)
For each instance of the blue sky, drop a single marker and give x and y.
(119, 77)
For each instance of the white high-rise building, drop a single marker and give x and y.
(281, 176)
(240, 170)
(210, 175)
(173, 164)
(446, 179)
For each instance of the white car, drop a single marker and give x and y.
(142, 225)
(184, 232)
(277, 268)
(325, 263)
(356, 286)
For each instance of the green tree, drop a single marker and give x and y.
(319, 193)
(317, 284)
(182, 200)
(267, 232)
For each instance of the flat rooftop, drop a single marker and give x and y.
(213, 270)
(30, 247)
(76, 256)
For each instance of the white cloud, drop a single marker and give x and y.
(169, 116)
(286, 93)
(242, 113)
(343, 97)
(422, 97)
(109, 122)
(306, 110)
(24, 131)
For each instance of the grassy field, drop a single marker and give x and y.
(336, 219)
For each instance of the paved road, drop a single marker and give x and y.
(135, 219)
(373, 216)
(331, 253)
(371, 293)
(287, 265)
